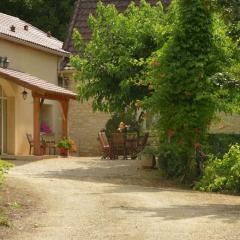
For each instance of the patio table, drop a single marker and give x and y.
(124, 144)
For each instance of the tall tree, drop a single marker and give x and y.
(113, 64)
(184, 93)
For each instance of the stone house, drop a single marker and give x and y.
(29, 93)
(84, 124)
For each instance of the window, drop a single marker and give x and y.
(63, 82)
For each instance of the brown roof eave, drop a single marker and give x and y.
(42, 92)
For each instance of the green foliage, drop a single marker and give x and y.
(222, 174)
(52, 15)
(113, 64)
(4, 167)
(230, 12)
(185, 97)
(65, 144)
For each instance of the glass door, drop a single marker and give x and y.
(3, 122)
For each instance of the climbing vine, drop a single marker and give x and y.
(185, 95)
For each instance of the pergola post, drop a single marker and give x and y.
(65, 107)
(36, 125)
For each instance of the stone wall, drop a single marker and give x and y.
(84, 125)
(227, 124)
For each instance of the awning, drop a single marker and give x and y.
(43, 88)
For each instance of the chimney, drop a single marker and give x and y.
(26, 27)
(49, 34)
(12, 28)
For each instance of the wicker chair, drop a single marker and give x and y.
(31, 144)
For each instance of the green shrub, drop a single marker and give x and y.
(222, 174)
(4, 166)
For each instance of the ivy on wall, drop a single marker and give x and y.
(185, 96)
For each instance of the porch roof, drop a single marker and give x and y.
(43, 88)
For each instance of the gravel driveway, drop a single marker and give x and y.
(87, 198)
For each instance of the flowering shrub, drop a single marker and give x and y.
(65, 144)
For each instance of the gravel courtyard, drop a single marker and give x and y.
(89, 198)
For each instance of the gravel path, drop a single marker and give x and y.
(85, 198)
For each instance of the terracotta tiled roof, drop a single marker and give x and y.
(83, 8)
(30, 36)
(34, 83)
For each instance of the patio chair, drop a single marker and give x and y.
(50, 144)
(31, 144)
(119, 145)
(106, 148)
(132, 144)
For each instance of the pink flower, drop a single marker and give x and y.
(45, 128)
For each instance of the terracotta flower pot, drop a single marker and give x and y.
(63, 152)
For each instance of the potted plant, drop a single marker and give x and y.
(65, 145)
(147, 157)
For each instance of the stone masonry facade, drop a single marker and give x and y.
(84, 125)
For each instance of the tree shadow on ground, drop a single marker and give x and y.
(227, 213)
(137, 182)
(125, 172)
(127, 177)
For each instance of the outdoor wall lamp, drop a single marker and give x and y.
(4, 62)
(24, 94)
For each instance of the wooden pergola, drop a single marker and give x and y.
(38, 100)
(41, 90)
